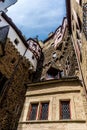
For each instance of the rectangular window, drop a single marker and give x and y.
(38, 111)
(64, 109)
(33, 111)
(59, 37)
(16, 41)
(44, 111)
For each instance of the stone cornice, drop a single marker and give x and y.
(62, 80)
(47, 121)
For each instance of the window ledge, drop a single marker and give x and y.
(57, 121)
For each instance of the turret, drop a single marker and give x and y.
(35, 48)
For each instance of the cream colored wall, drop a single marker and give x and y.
(20, 47)
(54, 94)
(54, 126)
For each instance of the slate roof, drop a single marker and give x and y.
(3, 37)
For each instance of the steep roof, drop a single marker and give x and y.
(15, 28)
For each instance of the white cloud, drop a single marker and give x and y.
(39, 15)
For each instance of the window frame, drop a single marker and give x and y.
(40, 111)
(16, 41)
(29, 111)
(60, 111)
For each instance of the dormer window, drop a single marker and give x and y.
(53, 73)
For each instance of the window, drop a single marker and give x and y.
(53, 73)
(33, 111)
(44, 111)
(33, 57)
(52, 44)
(34, 47)
(38, 111)
(80, 23)
(60, 47)
(59, 37)
(16, 41)
(13, 60)
(54, 55)
(64, 109)
(80, 2)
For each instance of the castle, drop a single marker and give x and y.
(43, 85)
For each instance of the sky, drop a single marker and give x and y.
(37, 17)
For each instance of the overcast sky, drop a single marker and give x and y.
(37, 17)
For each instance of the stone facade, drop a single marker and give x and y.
(58, 54)
(51, 71)
(15, 69)
(75, 14)
(54, 91)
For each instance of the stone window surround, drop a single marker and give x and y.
(38, 113)
(39, 109)
(60, 111)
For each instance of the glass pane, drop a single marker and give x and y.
(65, 110)
(33, 111)
(44, 111)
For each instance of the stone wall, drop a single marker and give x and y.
(15, 68)
(81, 53)
(64, 51)
(54, 92)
